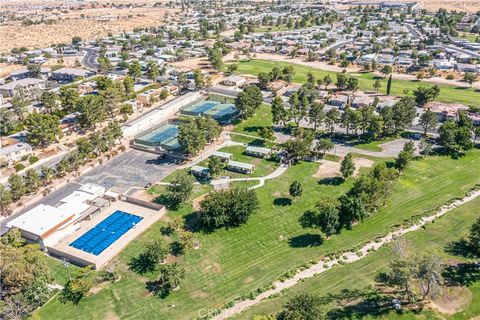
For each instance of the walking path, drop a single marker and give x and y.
(348, 257)
(261, 180)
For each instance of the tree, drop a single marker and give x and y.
(76, 288)
(347, 167)
(76, 40)
(324, 145)
(295, 189)
(248, 100)
(227, 209)
(92, 111)
(49, 101)
(389, 85)
(5, 198)
(135, 70)
(181, 188)
(168, 279)
(34, 70)
(9, 121)
(32, 181)
(279, 113)
(324, 217)
(454, 138)
(263, 80)
(303, 306)
(215, 166)
(331, 118)
(152, 70)
(423, 95)
(151, 256)
(342, 81)
(428, 120)
(216, 58)
(111, 98)
(316, 114)
(298, 147)
(405, 156)
(406, 269)
(327, 81)
(17, 186)
(352, 210)
(25, 276)
(298, 109)
(474, 237)
(386, 70)
(266, 133)
(68, 98)
(19, 104)
(46, 174)
(377, 85)
(129, 86)
(199, 79)
(470, 78)
(403, 113)
(42, 129)
(232, 68)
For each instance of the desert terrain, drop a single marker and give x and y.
(63, 20)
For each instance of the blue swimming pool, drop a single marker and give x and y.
(100, 237)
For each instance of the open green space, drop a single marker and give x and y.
(469, 36)
(59, 271)
(261, 118)
(271, 29)
(448, 93)
(233, 263)
(434, 238)
(373, 145)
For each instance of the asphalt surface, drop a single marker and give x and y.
(89, 60)
(130, 169)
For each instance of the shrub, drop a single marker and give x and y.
(33, 159)
(19, 166)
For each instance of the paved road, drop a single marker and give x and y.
(89, 60)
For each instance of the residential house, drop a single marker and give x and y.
(15, 151)
(29, 86)
(70, 74)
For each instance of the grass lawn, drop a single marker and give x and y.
(448, 93)
(270, 29)
(232, 263)
(263, 167)
(59, 272)
(469, 36)
(261, 118)
(451, 227)
(373, 145)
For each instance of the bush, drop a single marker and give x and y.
(19, 167)
(33, 159)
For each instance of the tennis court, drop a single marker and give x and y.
(164, 136)
(222, 112)
(106, 232)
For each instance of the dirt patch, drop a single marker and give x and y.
(111, 316)
(361, 163)
(327, 169)
(213, 267)
(99, 287)
(248, 279)
(452, 300)
(199, 294)
(196, 202)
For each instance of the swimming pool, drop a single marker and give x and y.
(106, 232)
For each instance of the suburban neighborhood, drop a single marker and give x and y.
(240, 160)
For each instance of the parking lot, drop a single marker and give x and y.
(131, 169)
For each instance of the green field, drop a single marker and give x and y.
(262, 118)
(270, 29)
(232, 263)
(434, 238)
(469, 36)
(448, 93)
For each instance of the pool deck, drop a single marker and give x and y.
(64, 250)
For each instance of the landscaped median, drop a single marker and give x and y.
(448, 93)
(237, 262)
